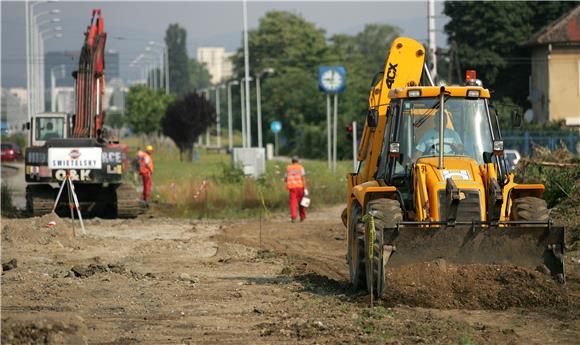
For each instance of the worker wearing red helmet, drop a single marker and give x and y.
(146, 170)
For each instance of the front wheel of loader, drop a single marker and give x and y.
(529, 208)
(356, 255)
(386, 213)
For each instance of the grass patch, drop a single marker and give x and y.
(213, 188)
(265, 254)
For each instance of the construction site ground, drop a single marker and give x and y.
(156, 280)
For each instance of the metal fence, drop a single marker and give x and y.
(524, 141)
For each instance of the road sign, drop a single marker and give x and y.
(332, 79)
(276, 126)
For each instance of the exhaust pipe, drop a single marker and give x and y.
(441, 124)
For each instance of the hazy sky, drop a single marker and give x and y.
(131, 24)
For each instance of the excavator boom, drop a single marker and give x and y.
(90, 80)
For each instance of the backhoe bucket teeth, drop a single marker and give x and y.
(534, 247)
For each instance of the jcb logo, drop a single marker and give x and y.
(391, 74)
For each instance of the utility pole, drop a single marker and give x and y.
(230, 119)
(335, 131)
(243, 113)
(432, 42)
(247, 74)
(28, 71)
(328, 131)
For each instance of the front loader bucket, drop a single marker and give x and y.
(530, 246)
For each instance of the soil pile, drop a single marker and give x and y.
(45, 330)
(440, 284)
(39, 230)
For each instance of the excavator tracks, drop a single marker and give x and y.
(128, 203)
(39, 200)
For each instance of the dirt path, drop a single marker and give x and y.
(167, 281)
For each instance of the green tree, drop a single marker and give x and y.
(199, 76)
(145, 108)
(175, 40)
(294, 48)
(490, 38)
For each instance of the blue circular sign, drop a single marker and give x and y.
(276, 126)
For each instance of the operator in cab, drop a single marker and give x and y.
(429, 143)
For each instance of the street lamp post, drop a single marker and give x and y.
(53, 86)
(247, 74)
(243, 112)
(206, 95)
(134, 64)
(230, 137)
(36, 80)
(52, 33)
(158, 78)
(165, 62)
(30, 83)
(218, 111)
(259, 103)
(248, 115)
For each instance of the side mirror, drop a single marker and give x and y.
(373, 118)
(516, 118)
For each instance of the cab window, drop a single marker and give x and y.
(49, 128)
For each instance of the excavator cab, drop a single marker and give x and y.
(48, 126)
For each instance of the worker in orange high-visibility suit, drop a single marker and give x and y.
(296, 185)
(146, 170)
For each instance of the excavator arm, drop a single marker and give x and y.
(90, 81)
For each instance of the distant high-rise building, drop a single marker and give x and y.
(217, 61)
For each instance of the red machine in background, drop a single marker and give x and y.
(77, 145)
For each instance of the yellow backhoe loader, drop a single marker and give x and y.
(431, 181)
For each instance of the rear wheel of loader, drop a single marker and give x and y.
(529, 208)
(386, 214)
(356, 255)
(128, 202)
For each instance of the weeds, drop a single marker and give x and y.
(213, 188)
(7, 206)
(562, 184)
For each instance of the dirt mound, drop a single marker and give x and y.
(45, 330)
(440, 284)
(92, 269)
(227, 252)
(39, 230)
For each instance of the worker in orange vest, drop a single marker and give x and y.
(296, 185)
(146, 170)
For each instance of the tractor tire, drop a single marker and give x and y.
(355, 254)
(387, 213)
(529, 208)
(39, 200)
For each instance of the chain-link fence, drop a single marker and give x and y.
(524, 141)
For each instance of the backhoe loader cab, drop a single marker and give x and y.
(447, 132)
(432, 183)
